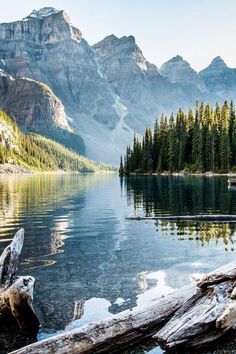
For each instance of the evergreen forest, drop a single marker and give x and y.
(202, 140)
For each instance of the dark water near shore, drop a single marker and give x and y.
(78, 244)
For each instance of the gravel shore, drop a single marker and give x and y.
(13, 169)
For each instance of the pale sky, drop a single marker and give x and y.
(199, 30)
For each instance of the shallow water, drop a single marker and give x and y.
(78, 244)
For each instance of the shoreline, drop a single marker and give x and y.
(182, 174)
(15, 170)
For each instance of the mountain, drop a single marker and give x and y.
(25, 153)
(108, 90)
(32, 105)
(219, 78)
(178, 70)
(35, 108)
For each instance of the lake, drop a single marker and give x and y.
(78, 244)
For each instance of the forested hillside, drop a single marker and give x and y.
(39, 153)
(202, 140)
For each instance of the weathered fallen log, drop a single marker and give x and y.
(116, 331)
(192, 316)
(205, 317)
(206, 218)
(17, 316)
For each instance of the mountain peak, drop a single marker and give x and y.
(218, 62)
(114, 39)
(43, 12)
(47, 25)
(177, 58)
(178, 70)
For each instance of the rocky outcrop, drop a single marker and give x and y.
(46, 26)
(35, 108)
(7, 135)
(32, 105)
(13, 169)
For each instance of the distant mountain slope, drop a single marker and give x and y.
(35, 108)
(38, 153)
(218, 78)
(178, 70)
(109, 90)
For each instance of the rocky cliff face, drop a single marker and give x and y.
(137, 82)
(7, 136)
(109, 90)
(32, 105)
(47, 48)
(46, 26)
(35, 108)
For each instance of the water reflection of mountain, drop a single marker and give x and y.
(176, 195)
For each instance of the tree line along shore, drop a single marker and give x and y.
(200, 141)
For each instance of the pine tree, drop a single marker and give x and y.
(171, 145)
(121, 169)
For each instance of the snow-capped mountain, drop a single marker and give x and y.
(109, 90)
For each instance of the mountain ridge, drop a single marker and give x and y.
(109, 90)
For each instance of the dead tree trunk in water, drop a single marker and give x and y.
(17, 315)
(174, 218)
(190, 317)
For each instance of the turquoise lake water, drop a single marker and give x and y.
(78, 244)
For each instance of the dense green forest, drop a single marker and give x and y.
(39, 153)
(202, 140)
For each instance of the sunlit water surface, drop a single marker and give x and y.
(78, 244)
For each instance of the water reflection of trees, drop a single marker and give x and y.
(174, 195)
(180, 195)
(202, 232)
(30, 195)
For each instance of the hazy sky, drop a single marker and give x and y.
(199, 30)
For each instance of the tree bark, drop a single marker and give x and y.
(207, 316)
(9, 260)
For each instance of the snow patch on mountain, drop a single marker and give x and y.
(99, 69)
(143, 66)
(121, 110)
(44, 12)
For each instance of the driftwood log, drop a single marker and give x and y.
(210, 218)
(189, 317)
(114, 332)
(17, 316)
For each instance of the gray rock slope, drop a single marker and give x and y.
(35, 108)
(109, 90)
